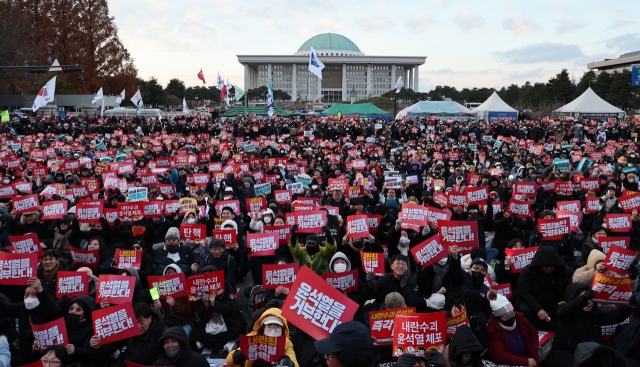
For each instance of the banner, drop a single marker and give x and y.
(283, 231)
(169, 285)
(227, 235)
(518, 208)
(315, 307)
(570, 205)
(72, 284)
(115, 289)
(463, 234)
(26, 244)
(609, 289)
(54, 209)
(16, 269)
(310, 221)
(152, 209)
(233, 204)
(520, 257)
(115, 323)
(89, 213)
(381, 324)
(262, 347)
(454, 322)
(372, 262)
(619, 259)
(619, 223)
(279, 275)
(413, 332)
(525, 189)
(263, 189)
(51, 333)
(630, 202)
(357, 226)
(590, 184)
(606, 242)
(25, 204)
(84, 257)
(429, 251)
(263, 244)
(124, 259)
(194, 232)
(347, 281)
(131, 211)
(202, 284)
(553, 229)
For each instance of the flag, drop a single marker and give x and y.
(184, 106)
(228, 89)
(137, 100)
(98, 96)
(5, 116)
(102, 108)
(270, 101)
(220, 82)
(46, 94)
(120, 97)
(223, 91)
(315, 65)
(201, 77)
(399, 84)
(239, 92)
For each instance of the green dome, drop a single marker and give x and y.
(329, 41)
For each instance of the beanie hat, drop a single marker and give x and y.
(173, 231)
(547, 212)
(500, 305)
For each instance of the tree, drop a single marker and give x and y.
(152, 92)
(620, 93)
(588, 78)
(280, 95)
(176, 88)
(603, 84)
(561, 87)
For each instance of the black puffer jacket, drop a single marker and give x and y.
(80, 334)
(463, 342)
(161, 260)
(185, 358)
(141, 349)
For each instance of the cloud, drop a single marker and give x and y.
(625, 43)
(535, 73)
(568, 27)
(623, 23)
(421, 22)
(369, 22)
(467, 20)
(442, 3)
(326, 24)
(519, 27)
(541, 52)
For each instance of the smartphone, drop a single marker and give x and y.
(154, 294)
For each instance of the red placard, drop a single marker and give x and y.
(571, 205)
(373, 221)
(454, 322)
(553, 229)
(51, 333)
(413, 216)
(115, 323)
(89, 213)
(619, 259)
(131, 210)
(590, 184)
(434, 215)
(338, 184)
(194, 232)
(283, 196)
(525, 188)
(227, 235)
(16, 269)
(426, 330)
(455, 199)
(504, 289)
(315, 307)
(171, 206)
(7, 191)
(381, 324)
(115, 289)
(283, 231)
(26, 244)
(233, 204)
(256, 204)
(618, 222)
(347, 281)
(463, 234)
(263, 244)
(629, 203)
(574, 218)
(169, 285)
(262, 347)
(279, 275)
(152, 209)
(24, 187)
(606, 242)
(203, 284)
(592, 205)
(167, 189)
(84, 257)
(148, 180)
(310, 221)
(429, 251)
(477, 195)
(520, 257)
(611, 289)
(54, 209)
(25, 204)
(124, 259)
(373, 262)
(80, 191)
(548, 186)
(72, 284)
(544, 336)
(518, 208)
(357, 226)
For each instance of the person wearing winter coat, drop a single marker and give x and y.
(174, 349)
(464, 349)
(140, 294)
(258, 222)
(312, 254)
(271, 323)
(80, 330)
(398, 280)
(48, 270)
(176, 311)
(172, 253)
(220, 259)
(595, 264)
(105, 259)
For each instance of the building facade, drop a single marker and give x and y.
(348, 72)
(610, 65)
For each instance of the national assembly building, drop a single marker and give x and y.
(348, 73)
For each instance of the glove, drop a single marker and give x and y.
(588, 294)
(538, 236)
(425, 231)
(371, 279)
(238, 357)
(436, 301)
(294, 228)
(398, 224)
(405, 278)
(633, 271)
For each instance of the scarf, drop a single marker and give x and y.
(61, 241)
(441, 272)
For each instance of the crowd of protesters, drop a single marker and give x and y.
(553, 292)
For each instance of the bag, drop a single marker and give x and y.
(545, 349)
(214, 328)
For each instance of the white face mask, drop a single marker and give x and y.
(191, 220)
(6, 182)
(442, 262)
(272, 333)
(340, 268)
(595, 240)
(159, 198)
(227, 197)
(404, 241)
(314, 186)
(267, 220)
(31, 303)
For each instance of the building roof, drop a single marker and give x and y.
(329, 41)
(494, 104)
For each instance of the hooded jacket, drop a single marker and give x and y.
(185, 358)
(339, 255)
(463, 342)
(595, 355)
(586, 273)
(318, 262)
(182, 309)
(288, 348)
(80, 334)
(141, 348)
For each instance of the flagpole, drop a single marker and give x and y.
(308, 97)
(245, 104)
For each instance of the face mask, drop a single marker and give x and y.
(227, 197)
(340, 268)
(173, 248)
(358, 244)
(31, 303)
(272, 333)
(191, 220)
(451, 170)
(442, 262)
(267, 220)
(6, 182)
(508, 323)
(404, 241)
(273, 207)
(138, 231)
(314, 186)
(159, 198)
(73, 319)
(172, 351)
(312, 250)
(477, 277)
(595, 240)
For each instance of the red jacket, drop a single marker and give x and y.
(498, 344)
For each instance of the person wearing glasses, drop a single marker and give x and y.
(173, 253)
(54, 356)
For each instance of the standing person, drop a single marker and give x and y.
(173, 349)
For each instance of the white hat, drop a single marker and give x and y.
(500, 305)
(228, 189)
(272, 320)
(72, 210)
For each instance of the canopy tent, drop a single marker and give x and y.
(495, 108)
(590, 105)
(402, 113)
(366, 110)
(439, 108)
(258, 110)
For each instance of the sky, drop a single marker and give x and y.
(490, 43)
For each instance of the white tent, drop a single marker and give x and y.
(494, 107)
(589, 104)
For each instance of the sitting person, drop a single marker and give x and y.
(173, 349)
(595, 264)
(176, 311)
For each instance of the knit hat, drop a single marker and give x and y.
(173, 231)
(394, 300)
(547, 212)
(500, 305)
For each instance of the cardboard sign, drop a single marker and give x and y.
(619, 223)
(84, 257)
(609, 289)
(413, 216)
(504, 289)
(130, 210)
(26, 244)
(606, 242)
(454, 322)
(315, 307)
(629, 203)
(124, 259)
(429, 251)
(115, 323)
(262, 347)
(283, 231)
(553, 229)
(419, 330)
(202, 284)
(263, 189)
(463, 234)
(233, 204)
(16, 269)
(619, 259)
(372, 262)
(310, 221)
(381, 324)
(54, 209)
(137, 194)
(520, 257)
(346, 282)
(89, 213)
(571, 206)
(279, 275)
(227, 235)
(477, 195)
(592, 205)
(263, 244)
(115, 289)
(357, 226)
(25, 204)
(72, 284)
(283, 196)
(169, 285)
(51, 333)
(434, 215)
(194, 232)
(518, 208)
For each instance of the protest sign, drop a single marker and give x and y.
(89, 213)
(115, 289)
(504, 289)
(279, 275)
(72, 284)
(429, 251)
(262, 347)
(188, 205)
(194, 232)
(618, 223)
(592, 205)
(263, 189)
(137, 194)
(610, 289)
(283, 196)
(463, 234)
(525, 189)
(477, 195)
(357, 226)
(283, 231)
(518, 208)
(346, 281)
(115, 323)
(569, 205)
(51, 333)
(25, 204)
(233, 204)
(263, 244)
(372, 262)
(520, 258)
(27, 243)
(124, 259)
(9, 191)
(84, 257)
(629, 203)
(295, 187)
(553, 229)
(255, 205)
(169, 285)
(310, 221)
(381, 324)
(454, 322)
(619, 259)
(133, 211)
(198, 286)
(16, 269)
(152, 209)
(411, 332)
(226, 235)
(413, 216)
(434, 215)
(606, 242)
(590, 184)
(373, 221)
(54, 209)
(574, 218)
